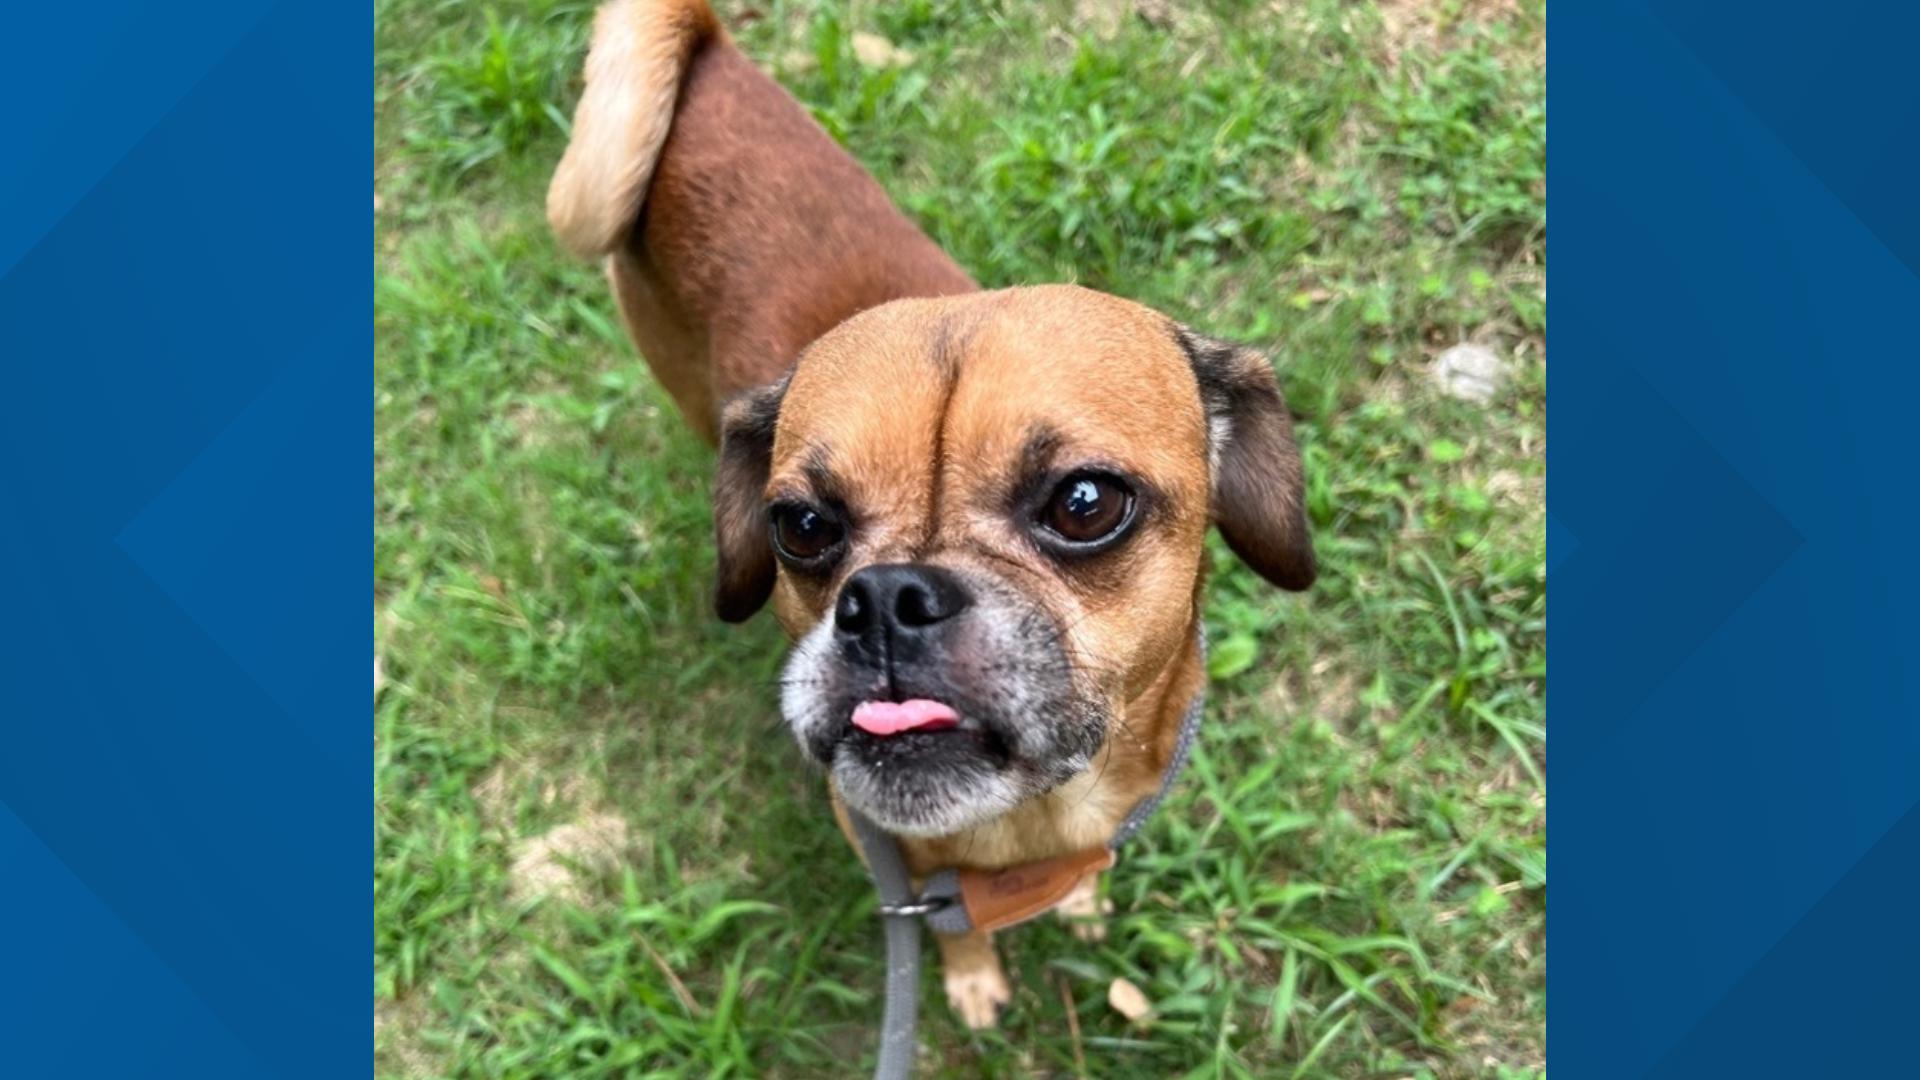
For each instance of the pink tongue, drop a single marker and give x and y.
(894, 717)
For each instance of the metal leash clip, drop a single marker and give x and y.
(922, 906)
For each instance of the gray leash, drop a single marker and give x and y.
(900, 915)
(901, 911)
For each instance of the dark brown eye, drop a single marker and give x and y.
(1087, 508)
(803, 533)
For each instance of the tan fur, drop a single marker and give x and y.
(950, 432)
(917, 473)
(736, 234)
(640, 50)
(735, 230)
(976, 985)
(1085, 911)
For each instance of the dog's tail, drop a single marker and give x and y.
(641, 48)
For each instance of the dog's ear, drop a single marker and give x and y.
(1259, 498)
(743, 549)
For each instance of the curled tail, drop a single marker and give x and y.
(641, 48)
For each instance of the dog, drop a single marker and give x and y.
(979, 515)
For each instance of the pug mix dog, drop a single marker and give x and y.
(979, 515)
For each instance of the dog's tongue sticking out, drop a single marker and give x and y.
(894, 717)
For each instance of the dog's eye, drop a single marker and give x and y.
(803, 533)
(1087, 508)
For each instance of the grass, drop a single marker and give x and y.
(597, 853)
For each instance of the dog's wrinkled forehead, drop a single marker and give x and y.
(921, 414)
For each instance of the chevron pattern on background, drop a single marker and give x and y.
(184, 789)
(1738, 762)
(187, 449)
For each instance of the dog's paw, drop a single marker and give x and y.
(978, 995)
(1091, 928)
(1085, 911)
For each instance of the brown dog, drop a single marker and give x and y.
(979, 515)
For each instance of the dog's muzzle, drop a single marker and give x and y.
(940, 697)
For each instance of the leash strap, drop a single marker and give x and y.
(900, 918)
(944, 901)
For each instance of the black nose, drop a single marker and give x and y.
(889, 610)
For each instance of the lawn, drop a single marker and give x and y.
(597, 852)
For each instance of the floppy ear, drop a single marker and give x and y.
(1259, 499)
(743, 550)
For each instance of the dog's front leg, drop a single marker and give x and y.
(1085, 911)
(976, 985)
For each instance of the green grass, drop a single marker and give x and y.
(1351, 880)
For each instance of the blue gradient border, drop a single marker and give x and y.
(1736, 746)
(185, 454)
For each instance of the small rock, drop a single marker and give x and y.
(874, 51)
(1469, 372)
(1128, 1000)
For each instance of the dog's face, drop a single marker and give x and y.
(982, 520)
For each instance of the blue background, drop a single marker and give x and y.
(1736, 327)
(185, 453)
(185, 459)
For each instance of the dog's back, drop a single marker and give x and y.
(735, 231)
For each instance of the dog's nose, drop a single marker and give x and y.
(889, 606)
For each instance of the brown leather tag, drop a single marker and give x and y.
(1000, 898)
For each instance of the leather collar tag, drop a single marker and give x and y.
(996, 899)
